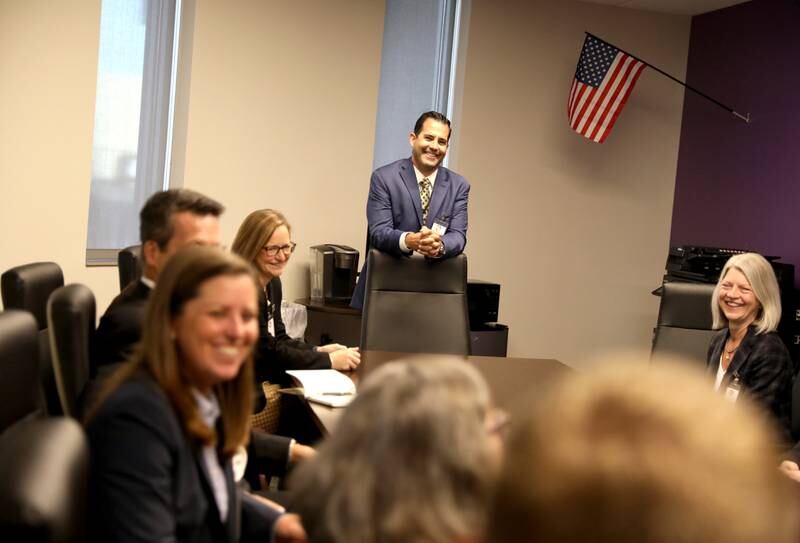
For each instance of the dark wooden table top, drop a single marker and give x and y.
(513, 382)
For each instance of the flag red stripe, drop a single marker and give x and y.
(611, 106)
(571, 96)
(588, 96)
(618, 108)
(620, 64)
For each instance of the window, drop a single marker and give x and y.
(417, 63)
(132, 126)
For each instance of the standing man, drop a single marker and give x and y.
(415, 205)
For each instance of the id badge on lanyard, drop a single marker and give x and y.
(440, 225)
(733, 388)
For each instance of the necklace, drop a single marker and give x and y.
(729, 352)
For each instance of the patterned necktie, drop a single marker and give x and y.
(425, 197)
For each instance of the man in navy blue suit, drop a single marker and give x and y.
(415, 205)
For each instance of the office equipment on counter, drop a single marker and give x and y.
(334, 269)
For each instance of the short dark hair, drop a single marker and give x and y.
(436, 116)
(155, 219)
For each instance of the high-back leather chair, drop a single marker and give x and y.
(19, 368)
(71, 319)
(129, 265)
(27, 288)
(43, 480)
(684, 327)
(415, 305)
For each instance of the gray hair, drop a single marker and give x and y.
(409, 461)
(617, 455)
(760, 275)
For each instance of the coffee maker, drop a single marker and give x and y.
(333, 272)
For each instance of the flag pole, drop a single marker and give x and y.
(745, 118)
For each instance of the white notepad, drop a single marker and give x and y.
(326, 387)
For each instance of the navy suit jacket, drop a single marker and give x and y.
(114, 342)
(394, 207)
(120, 328)
(148, 480)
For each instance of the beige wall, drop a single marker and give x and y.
(277, 109)
(576, 232)
(48, 73)
(281, 114)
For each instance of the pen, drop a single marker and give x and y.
(337, 393)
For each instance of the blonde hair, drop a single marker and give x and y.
(157, 355)
(759, 273)
(409, 461)
(645, 455)
(254, 233)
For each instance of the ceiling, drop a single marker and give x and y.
(677, 7)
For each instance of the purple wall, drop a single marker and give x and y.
(738, 184)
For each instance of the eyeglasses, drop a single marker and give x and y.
(272, 250)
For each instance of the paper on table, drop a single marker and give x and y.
(326, 387)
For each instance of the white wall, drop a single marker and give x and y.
(576, 232)
(48, 74)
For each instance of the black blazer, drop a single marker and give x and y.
(276, 354)
(116, 338)
(764, 367)
(120, 328)
(148, 481)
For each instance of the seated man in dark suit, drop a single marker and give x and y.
(169, 221)
(416, 205)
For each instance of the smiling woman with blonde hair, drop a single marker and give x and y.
(747, 355)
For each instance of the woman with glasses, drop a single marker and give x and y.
(264, 239)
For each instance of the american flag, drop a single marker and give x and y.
(603, 80)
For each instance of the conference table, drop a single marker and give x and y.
(513, 382)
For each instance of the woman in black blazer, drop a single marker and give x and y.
(747, 355)
(168, 423)
(264, 239)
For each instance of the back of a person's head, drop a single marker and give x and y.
(410, 460)
(642, 454)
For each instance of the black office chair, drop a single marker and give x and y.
(129, 265)
(71, 319)
(415, 305)
(27, 288)
(684, 327)
(43, 479)
(19, 368)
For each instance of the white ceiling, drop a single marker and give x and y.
(677, 7)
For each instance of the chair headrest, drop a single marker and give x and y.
(129, 262)
(28, 287)
(43, 480)
(389, 272)
(19, 367)
(71, 319)
(686, 305)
